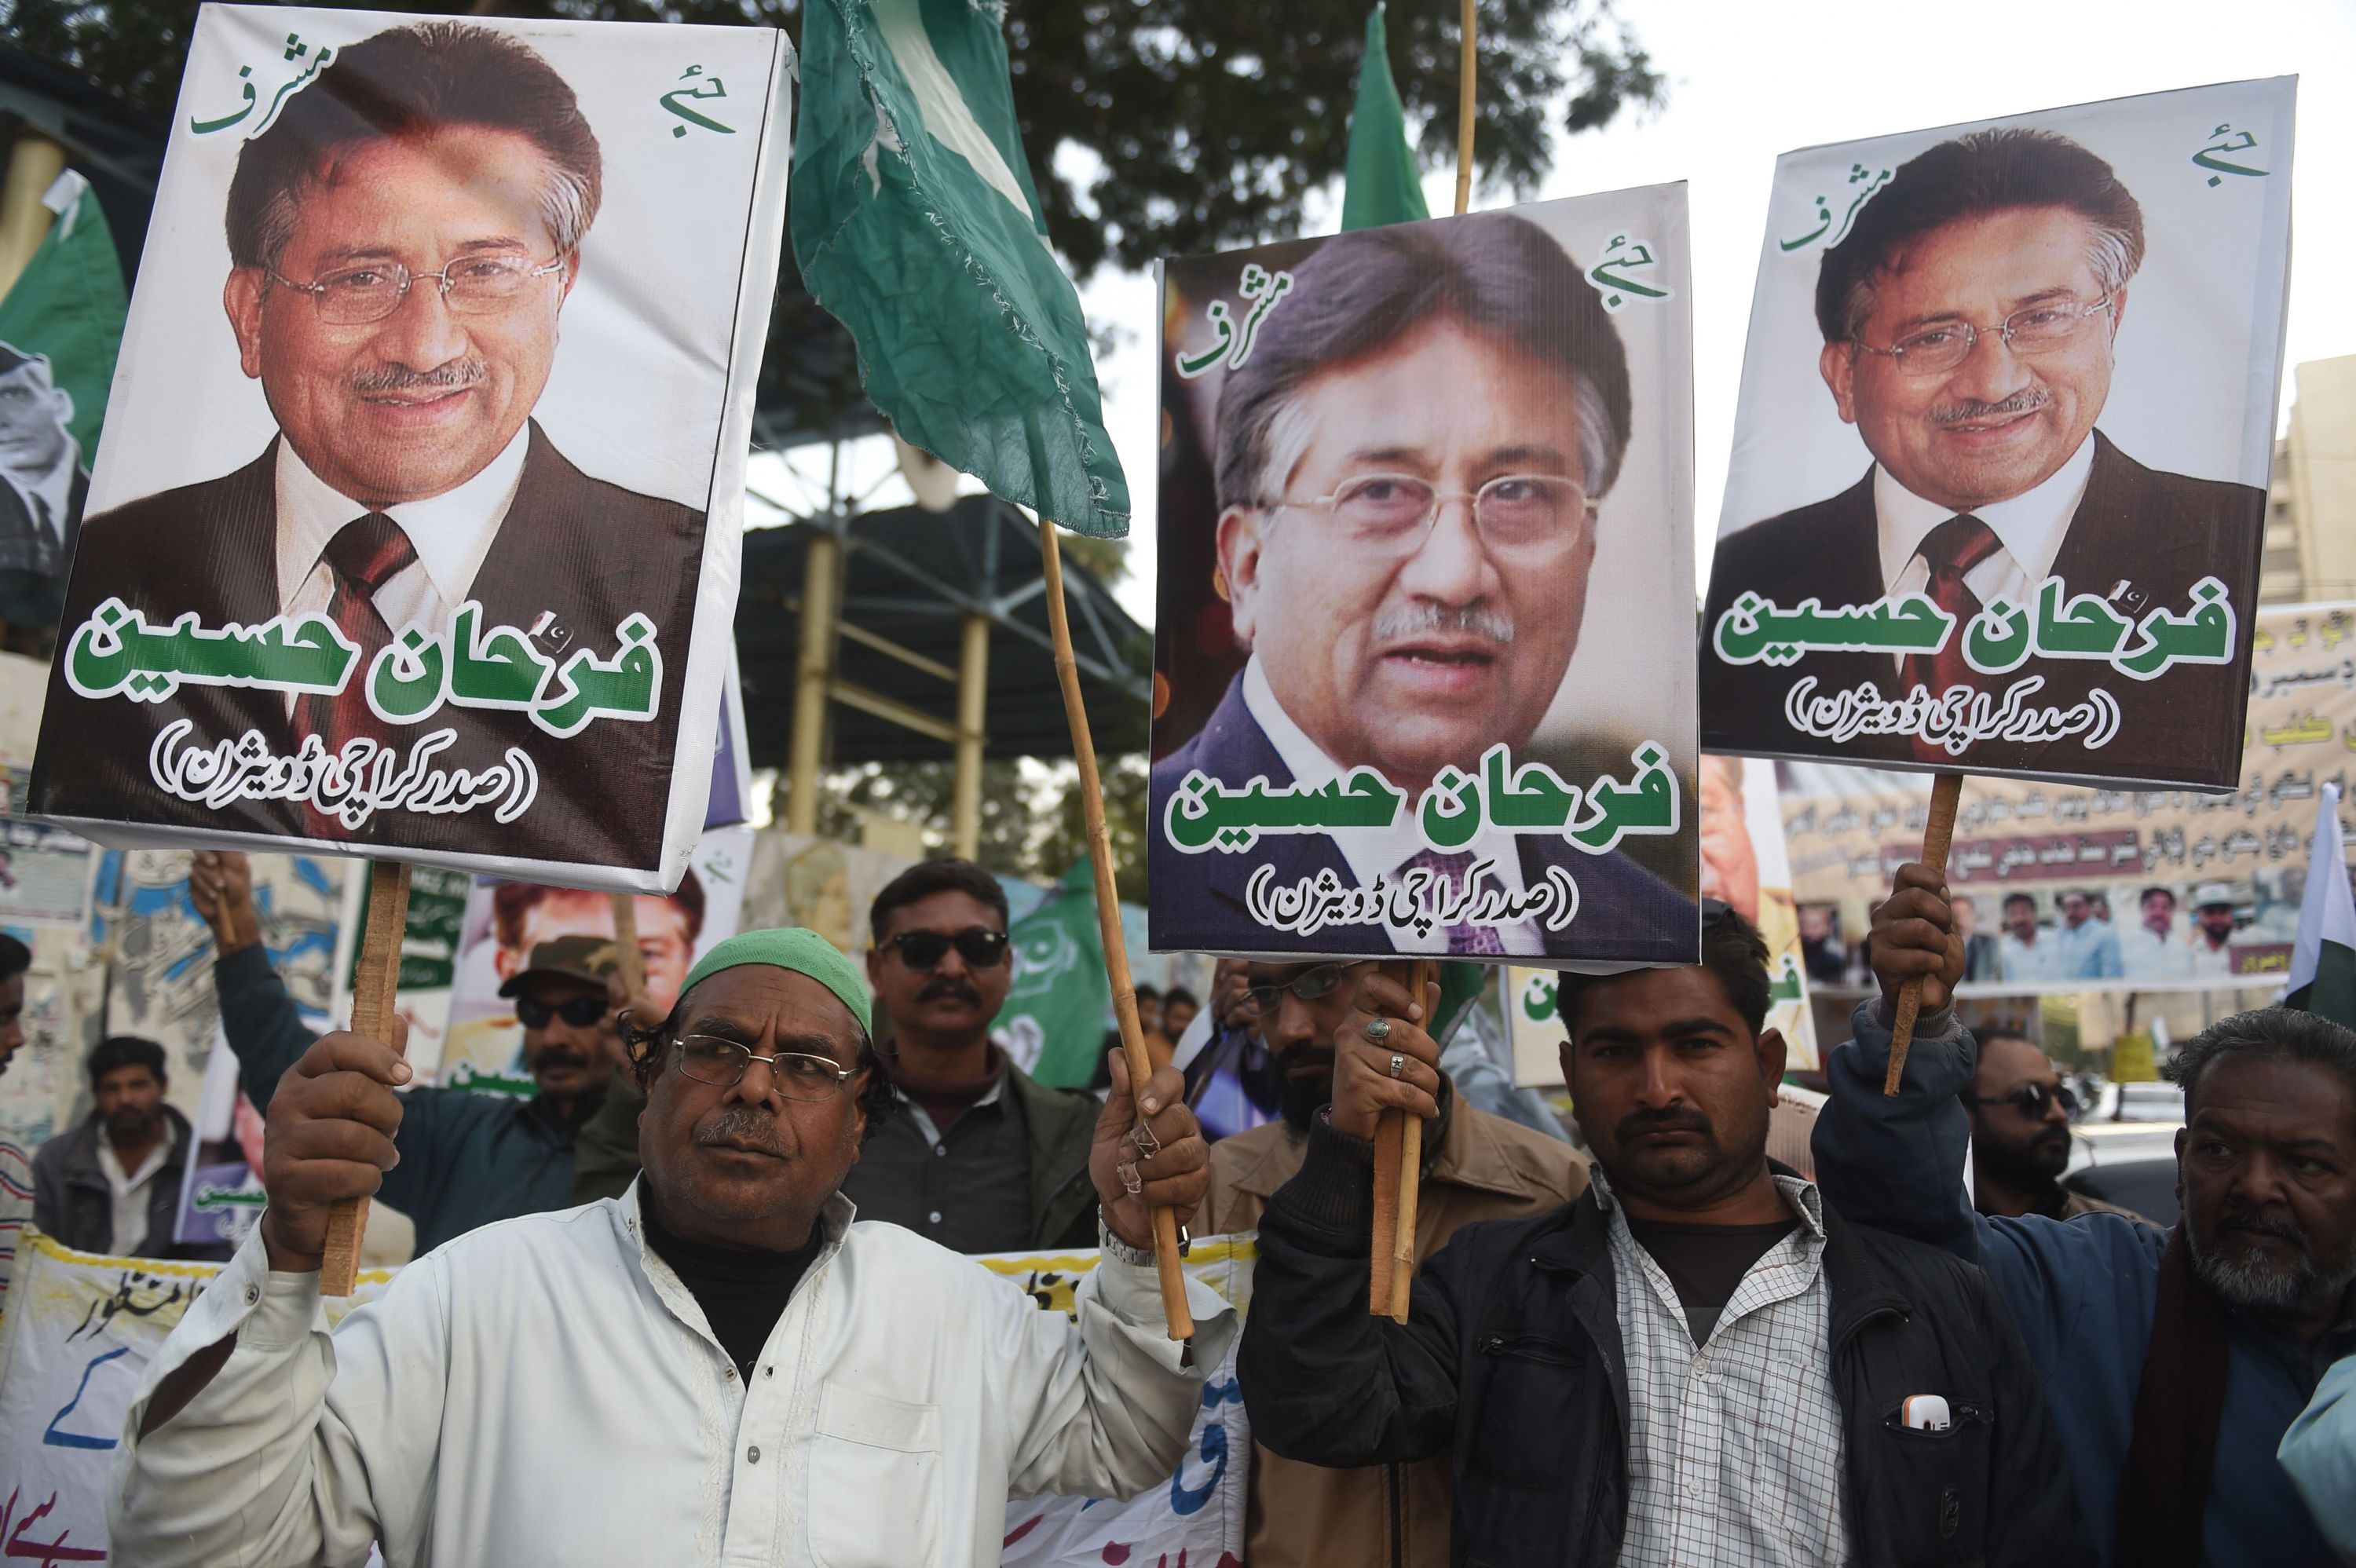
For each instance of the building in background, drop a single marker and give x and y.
(2311, 552)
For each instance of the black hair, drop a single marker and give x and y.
(2264, 1031)
(2170, 893)
(930, 877)
(15, 958)
(1148, 993)
(1731, 949)
(408, 82)
(649, 1045)
(2012, 898)
(1180, 993)
(1987, 171)
(1494, 274)
(120, 1051)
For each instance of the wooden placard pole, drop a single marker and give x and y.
(1116, 948)
(1937, 833)
(626, 950)
(374, 984)
(1399, 1139)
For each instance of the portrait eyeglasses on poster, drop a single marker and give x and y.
(1425, 528)
(1998, 487)
(414, 529)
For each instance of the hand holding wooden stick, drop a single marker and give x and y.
(1937, 835)
(375, 984)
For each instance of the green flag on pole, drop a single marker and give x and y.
(2323, 963)
(1382, 185)
(1056, 1011)
(68, 305)
(915, 223)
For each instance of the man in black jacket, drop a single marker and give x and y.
(1696, 1361)
(112, 1184)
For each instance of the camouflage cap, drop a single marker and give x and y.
(585, 958)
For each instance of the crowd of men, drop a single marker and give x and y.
(1657, 1346)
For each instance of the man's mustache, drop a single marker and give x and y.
(1423, 615)
(739, 1123)
(2027, 400)
(1640, 1121)
(949, 988)
(456, 376)
(558, 1056)
(2257, 1224)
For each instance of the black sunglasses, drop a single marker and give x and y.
(2030, 1100)
(980, 948)
(581, 1012)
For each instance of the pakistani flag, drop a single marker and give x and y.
(2323, 966)
(916, 224)
(1382, 185)
(67, 307)
(1059, 1006)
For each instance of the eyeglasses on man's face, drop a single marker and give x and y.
(371, 290)
(2030, 1100)
(1397, 511)
(981, 947)
(708, 1058)
(1940, 347)
(1311, 985)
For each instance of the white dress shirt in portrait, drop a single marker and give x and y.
(451, 532)
(2028, 530)
(1372, 852)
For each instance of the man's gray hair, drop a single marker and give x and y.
(406, 83)
(1496, 274)
(2264, 1031)
(1971, 177)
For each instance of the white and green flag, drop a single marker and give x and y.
(917, 226)
(2323, 965)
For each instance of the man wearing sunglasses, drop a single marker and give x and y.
(2019, 1112)
(1475, 1167)
(402, 241)
(982, 1158)
(1970, 321)
(467, 1160)
(719, 1365)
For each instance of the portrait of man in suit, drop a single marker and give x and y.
(41, 501)
(1407, 467)
(1970, 322)
(403, 239)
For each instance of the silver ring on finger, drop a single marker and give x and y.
(1131, 1181)
(1398, 1065)
(1147, 1143)
(1379, 1030)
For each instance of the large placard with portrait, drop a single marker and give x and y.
(1426, 582)
(1998, 486)
(415, 529)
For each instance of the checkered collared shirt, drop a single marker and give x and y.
(1734, 1449)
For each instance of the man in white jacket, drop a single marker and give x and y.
(718, 1366)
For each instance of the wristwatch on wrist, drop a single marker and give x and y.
(1113, 1246)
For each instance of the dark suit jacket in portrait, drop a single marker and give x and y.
(1624, 911)
(33, 558)
(2140, 539)
(589, 553)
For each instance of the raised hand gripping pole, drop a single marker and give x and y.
(1116, 949)
(1937, 833)
(374, 986)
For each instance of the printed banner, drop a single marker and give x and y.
(2074, 889)
(44, 875)
(81, 1329)
(1998, 486)
(369, 563)
(1425, 525)
(1744, 864)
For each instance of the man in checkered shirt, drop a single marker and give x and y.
(1696, 1363)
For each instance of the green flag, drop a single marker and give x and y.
(67, 306)
(915, 221)
(1056, 1011)
(1382, 185)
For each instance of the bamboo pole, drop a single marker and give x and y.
(1465, 66)
(1124, 991)
(1937, 833)
(625, 949)
(1411, 1177)
(374, 986)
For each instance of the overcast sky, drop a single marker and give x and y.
(1751, 80)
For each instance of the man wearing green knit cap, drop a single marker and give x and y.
(718, 1365)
